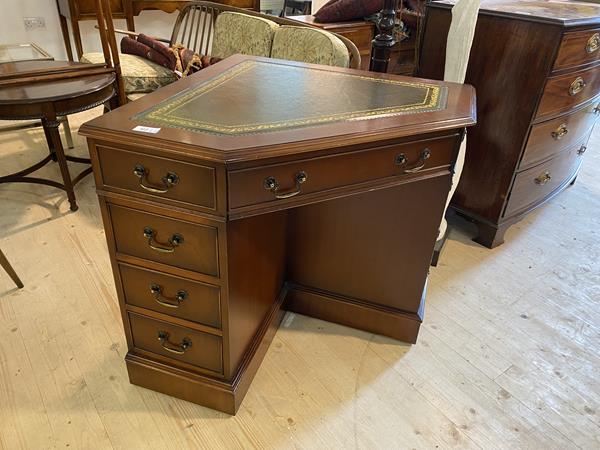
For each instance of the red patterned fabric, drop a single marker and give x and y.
(133, 47)
(344, 10)
(179, 59)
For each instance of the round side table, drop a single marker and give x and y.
(48, 100)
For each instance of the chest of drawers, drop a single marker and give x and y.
(536, 68)
(213, 232)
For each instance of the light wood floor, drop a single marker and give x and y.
(508, 356)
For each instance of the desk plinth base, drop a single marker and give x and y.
(222, 395)
(227, 396)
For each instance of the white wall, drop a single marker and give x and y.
(12, 29)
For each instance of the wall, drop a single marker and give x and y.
(12, 29)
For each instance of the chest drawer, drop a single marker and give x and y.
(178, 297)
(565, 92)
(578, 48)
(549, 138)
(277, 182)
(533, 185)
(159, 178)
(182, 344)
(169, 241)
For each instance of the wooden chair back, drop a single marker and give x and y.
(195, 24)
(110, 49)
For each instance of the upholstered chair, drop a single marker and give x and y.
(241, 33)
(309, 45)
(458, 48)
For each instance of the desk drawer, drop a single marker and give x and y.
(578, 48)
(568, 91)
(182, 344)
(178, 297)
(157, 177)
(277, 182)
(162, 239)
(535, 184)
(549, 138)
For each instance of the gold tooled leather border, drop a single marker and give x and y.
(163, 113)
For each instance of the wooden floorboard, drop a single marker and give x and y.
(508, 355)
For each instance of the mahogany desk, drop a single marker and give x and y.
(239, 202)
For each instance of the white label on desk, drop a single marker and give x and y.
(144, 129)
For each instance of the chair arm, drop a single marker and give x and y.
(133, 34)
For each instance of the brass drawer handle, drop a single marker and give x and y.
(401, 159)
(543, 178)
(560, 132)
(178, 349)
(577, 86)
(174, 241)
(169, 180)
(593, 43)
(581, 150)
(156, 290)
(272, 185)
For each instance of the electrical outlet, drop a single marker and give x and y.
(32, 23)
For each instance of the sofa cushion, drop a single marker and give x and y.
(139, 74)
(309, 45)
(242, 33)
(345, 10)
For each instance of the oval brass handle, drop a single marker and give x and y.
(560, 132)
(272, 185)
(174, 241)
(543, 178)
(593, 43)
(169, 180)
(178, 349)
(401, 159)
(156, 290)
(577, 86)
(581, 150)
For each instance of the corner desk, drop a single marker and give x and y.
(226, 202)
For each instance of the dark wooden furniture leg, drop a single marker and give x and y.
(51, 130)
(9, 270)
(384, 41)
(64, 28)
(490, 236)
(50, 144)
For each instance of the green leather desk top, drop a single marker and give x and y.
(261, 97)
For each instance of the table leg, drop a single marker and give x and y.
(64, 28)
(51, 129)
(66, 127)
(50, 144)
(9, 270)
(77, 37)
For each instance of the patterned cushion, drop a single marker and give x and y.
(345, 10)
(241, 33)
(309, 45)
(139, 74)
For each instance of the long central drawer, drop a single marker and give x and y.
(275, 182)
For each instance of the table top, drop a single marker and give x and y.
(247, 108)
(564, 12)
(45, 91)
(22, 52)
